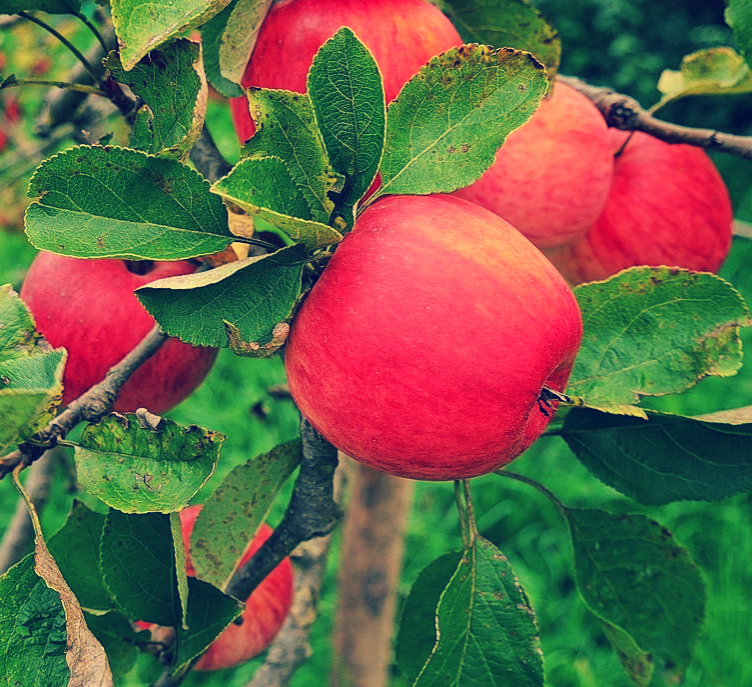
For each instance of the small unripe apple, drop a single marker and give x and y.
(402, 35)
(668, 205)
(424, 348)
(88, 307)
(551, 178)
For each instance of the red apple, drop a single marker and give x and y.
(551, 178)
(668, 206)
(88, 307)
(402, 35)
(265, 610)
(423, 349)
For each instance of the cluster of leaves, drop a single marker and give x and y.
(307, 173)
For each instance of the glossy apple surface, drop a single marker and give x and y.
(423, 348)
(88, 307)
(668, 206)
(265, 610)
(552, 176)
(402, 35)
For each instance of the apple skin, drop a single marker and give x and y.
(88, 307)
(552, 176)
(265, 610)
(668, 206)
(423, 348)
(402, 35)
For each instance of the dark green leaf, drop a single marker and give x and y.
(266, 187)
(49, 6)
(172, 85)
(655, 331)
(739, 18)
(142, 470)
(254, 295)
(486, 631)
(507, 24)
(144, 25)
(286, 128)
(110, 202)
(119, 640)
(209, 613)
(75, 548)
(417, 631)
(138, 559)
(347, 94)
(634, 576)
(33, 636)
(235, 510)
(447, 123)
(664, 458)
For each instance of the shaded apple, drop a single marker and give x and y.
(668, 205)
(424, 348)
(265, 610)
(551, 178)
(88, 307)
(402, 35)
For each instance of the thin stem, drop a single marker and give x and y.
(536, 485)
(79, 55)
(93, 29)
(65, 85)
(465, 510)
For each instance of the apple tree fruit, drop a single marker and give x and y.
(421, 333)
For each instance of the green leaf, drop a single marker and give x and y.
(664, 458)
(172, 84)
(33, 635)
(735, 268)
(140, 571)
(266, 187)
(654, 331)
(30, 391)
(445, 127)
(235, 510)
(254, 295)
(143, 470)
(634, 576)
(75, 548)
(228, 40)
(110, 202)
(49, 6)
(209, 613)
(715, 71)
(286, 128)
(486, 632)
(739, 18)
(115, 633)
(417, 631)
(638, 663)
(144, 25)
(31, 373)
(347, 94)
(507, 24)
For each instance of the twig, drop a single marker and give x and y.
(622, 112)
(20, 533)
(92, 405)
(207, 158)
(65, 85)
(79, 55)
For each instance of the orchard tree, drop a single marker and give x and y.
(462, 257)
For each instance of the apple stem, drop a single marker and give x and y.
(463, 497)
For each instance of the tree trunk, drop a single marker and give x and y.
(372, 547)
